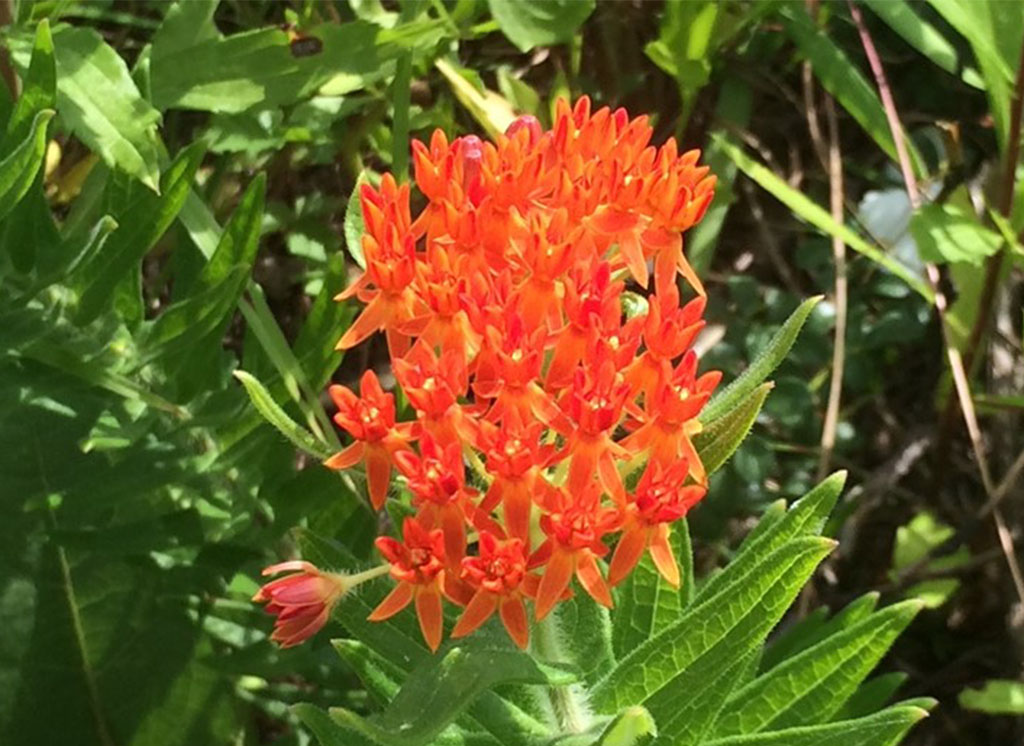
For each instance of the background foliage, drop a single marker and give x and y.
(174, 204)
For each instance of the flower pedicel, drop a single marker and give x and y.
(502, 303)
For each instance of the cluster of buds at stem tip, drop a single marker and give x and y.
(502, 304)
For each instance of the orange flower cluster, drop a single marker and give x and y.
(502, 303)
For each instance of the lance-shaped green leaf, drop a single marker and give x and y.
(645, 603)
(814, 628)
(872, 696)
(19, 169)
(767, 360)
(436, 693)
(216, 291)
(810, 687)
(99, 101)
(39, 89)
(712, 635)
(806, 517)
(140, 225)
(720, 439)
(272, 412)
(882, 729)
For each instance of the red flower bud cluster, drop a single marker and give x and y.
(502, 303)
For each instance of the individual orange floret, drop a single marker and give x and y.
(445, 325)
(668, 331)
(437, 481)
(501, 582)
(661, 498)
(671, 417)
(418, 564)
(545, 247)
(433, 386)
(508, 368)
(370, 419)
(389, 248)
(595, 404)
(592, 300)
(574, 528)
(515, 457)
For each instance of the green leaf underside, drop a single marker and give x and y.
(720, 439)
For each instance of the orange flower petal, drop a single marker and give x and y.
(477, 612)
(664, 559)
(628, 552)
(557, 574)
(378, 474)
(590, 578)
(347, 457)
(513, 616)
(393, 603)
(428, 609)
(370, 320)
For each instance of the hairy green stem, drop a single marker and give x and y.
(567, 702)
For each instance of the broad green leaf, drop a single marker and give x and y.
(720, 439)
(885, 728)
(539, 23)
(805, 518)
(810, 688)
(39, 89)
(18, 170)
(711, 636)
(98, 100)
(141, 224)
(768, 359)
(945, 233)
(645, 603)
(996, 697)
(817, 216)
(840, 77)
(272, 412)
(232, 74)
(900, 16)
(438, 691)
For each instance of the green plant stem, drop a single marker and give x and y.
(570, 709)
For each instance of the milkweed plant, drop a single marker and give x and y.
(550, 427)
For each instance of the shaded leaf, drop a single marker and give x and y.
(720, 439)
(539, 23)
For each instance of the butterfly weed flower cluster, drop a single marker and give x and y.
(502, 303)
